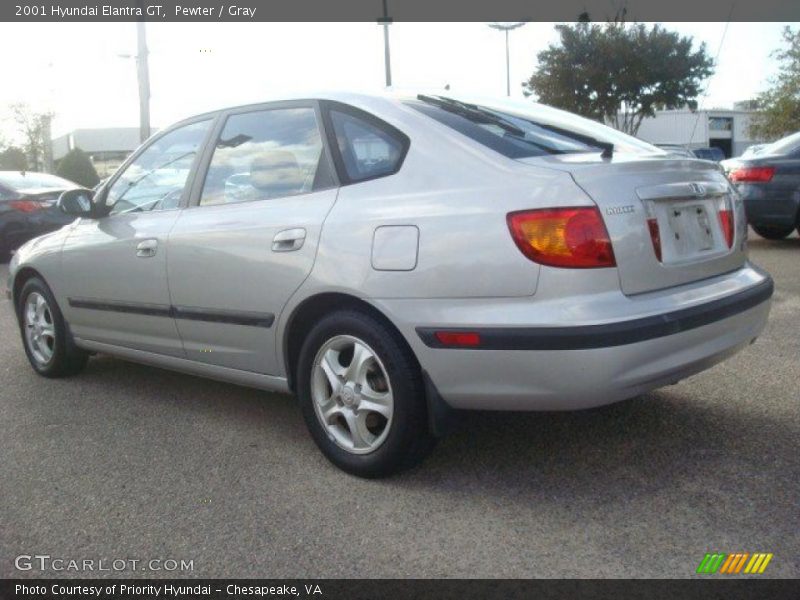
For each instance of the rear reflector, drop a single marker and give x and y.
(655, 236)
(752, 174)
(26, 206)
(726, 220)
(458, 338)
(563, 237)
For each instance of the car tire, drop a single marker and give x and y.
(45, 335)
(772, 233)
(337, 393)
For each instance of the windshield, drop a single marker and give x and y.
(28, 181)
(785, 145)
(520, 130)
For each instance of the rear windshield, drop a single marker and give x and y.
(785, 145)
(18, 180)
(521, 133)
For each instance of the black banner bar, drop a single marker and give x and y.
(396, 589)
(398, 10)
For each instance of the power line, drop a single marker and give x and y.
(716, 61)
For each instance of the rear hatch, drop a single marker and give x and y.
(665, 206)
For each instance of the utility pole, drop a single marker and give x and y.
(386, 20)
(143, 72)
(47, 142)
(506, 27)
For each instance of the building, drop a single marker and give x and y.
(107, 147)
(725, 129)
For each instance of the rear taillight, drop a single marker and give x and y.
(655, 236)
(563, 237)
(26, 206)
(752, 174)
(726, 220)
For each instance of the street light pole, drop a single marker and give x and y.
(508, 67)
(506, 27)
(143, 72)
(386, 21)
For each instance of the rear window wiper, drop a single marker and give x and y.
(478, 114)
(606, 147)
(472, 112)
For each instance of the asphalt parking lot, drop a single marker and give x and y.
(132, 462)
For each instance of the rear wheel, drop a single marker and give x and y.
(772, 233)
(362, 396)
(44, 333)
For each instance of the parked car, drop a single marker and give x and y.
(752, 150)
(28, 207)
(712, 153)
(769, 182)
(389, 259)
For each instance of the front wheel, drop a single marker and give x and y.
(362, 396)
(44, 333)
(772, 233)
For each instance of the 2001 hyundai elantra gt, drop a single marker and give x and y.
(389, 257)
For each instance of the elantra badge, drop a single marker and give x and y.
(620, 210)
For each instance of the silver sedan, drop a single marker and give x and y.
(393, 259)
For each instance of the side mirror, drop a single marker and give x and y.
(77, 202)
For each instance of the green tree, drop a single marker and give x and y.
(77, 166)
(779, 106)
(34, 129)
(13, 159)
(619, 73)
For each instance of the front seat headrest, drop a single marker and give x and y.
(277, 173)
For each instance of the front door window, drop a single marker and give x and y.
(156, 179)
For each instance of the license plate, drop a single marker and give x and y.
(690, 229)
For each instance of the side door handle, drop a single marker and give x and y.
(289, 240)
(147, 248)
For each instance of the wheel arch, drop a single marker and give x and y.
(310, 310)
(21, 277)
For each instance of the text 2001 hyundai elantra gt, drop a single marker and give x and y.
(387, 257)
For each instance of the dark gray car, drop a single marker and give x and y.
(769, 183)
(28, 207)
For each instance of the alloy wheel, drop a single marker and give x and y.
(40, 330)
(352, 394)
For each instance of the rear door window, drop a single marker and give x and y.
(267, 154)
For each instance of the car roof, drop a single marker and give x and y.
(388, 104)
(29, 180)
(346, 97)
(376, 99)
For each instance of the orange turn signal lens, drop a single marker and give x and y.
(563, 237)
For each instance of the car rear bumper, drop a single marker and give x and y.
(663, 337)
(768, 206)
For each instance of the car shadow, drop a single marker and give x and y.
(789, 244)
(670, 437)
(637, 448)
